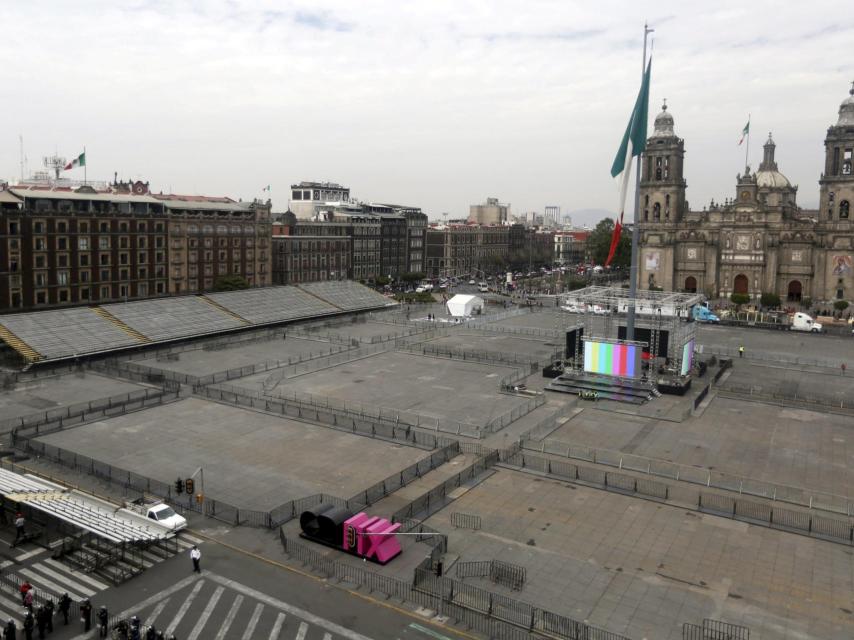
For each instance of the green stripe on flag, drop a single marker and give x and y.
(636, 130)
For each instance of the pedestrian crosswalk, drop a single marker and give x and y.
(51, 578)
(210, 606)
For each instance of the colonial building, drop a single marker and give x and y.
(758, 241)
(307, 251)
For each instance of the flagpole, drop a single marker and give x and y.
(85, 166)
(747, 148)
(633, 270)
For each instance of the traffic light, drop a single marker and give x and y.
(188, 486)
(179, 486)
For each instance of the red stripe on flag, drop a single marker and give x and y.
(615, 240)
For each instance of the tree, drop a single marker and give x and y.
(599, 243)
(840, 305)
(412, 277)
(739, 298)
(770, 300)
(230, 283)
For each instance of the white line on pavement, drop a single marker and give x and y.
(303, 629)
(229, 618)
(86, 590)
(184, 607)
(150, 620)
(253, 621)
(327, 636)
(284, 606)
(78, 575)
(277, 627)
(29, 554)
(206, 614)
(41, 584)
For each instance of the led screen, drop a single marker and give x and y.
(687, 357)
(622, 360)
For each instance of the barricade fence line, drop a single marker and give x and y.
(828, 403)
(798, 496)
(809, 523)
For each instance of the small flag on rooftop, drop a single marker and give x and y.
(744, 133)
(267, 188)
(79, 161)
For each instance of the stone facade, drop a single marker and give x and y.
(758, 241)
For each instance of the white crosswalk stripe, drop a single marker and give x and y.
(206, 614)
(184, 608)
(60, 578)
(327, 636)
(229, 619)
(190, 538)
(303, 629)
(253, 622)
(277, 627)
(100, 586)
(46, 585)
(152, 618)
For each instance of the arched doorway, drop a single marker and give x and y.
(740, 284)
(691, 284)
(795, 289)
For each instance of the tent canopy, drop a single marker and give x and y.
(463, 305)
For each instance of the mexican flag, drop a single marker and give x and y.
(79, 161)
(744, 133)
(632, 144)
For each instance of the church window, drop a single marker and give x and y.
(835, 170)
(666, 168)
(667, 207)
(656, 212)
(846, 163)
(843, 210)
(648, 167)
(658, 168)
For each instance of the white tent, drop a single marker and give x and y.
(463, 306)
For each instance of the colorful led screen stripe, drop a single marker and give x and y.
(612, 359)
(687, 357)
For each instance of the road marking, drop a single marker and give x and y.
(253, 621)
(150, 620)
(191, 539)
(158, 597)
(229, 618)
(294, 611)
(6, 563)
(327, 636)
(29, 554)
(79, 576)
(76, 586)
(206, 614)
(184, 608)
(277, 627)
(429, 632)
(40, 582)
(303, 629)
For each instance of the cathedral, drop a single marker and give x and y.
(758, 241)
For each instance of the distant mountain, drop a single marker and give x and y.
(590, 217)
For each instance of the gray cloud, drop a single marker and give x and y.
(438, 104)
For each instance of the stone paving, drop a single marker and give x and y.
(250, 459)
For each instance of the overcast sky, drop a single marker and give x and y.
(429, 103)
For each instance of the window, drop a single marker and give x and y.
(13, 264)
(123, 274)
(124, 258)
(223, 242)
(13, 228)
(208, 243)
(41, 279)
(62, 277)
(176, 272)
(140, 243)
(41, 262)
(159, 242)
(84, 260)
(658, 168)
(83, 227)
(843, 209)
(62, 260)
(142, 289)
(123, 291)
(104, 242)
(159, 257)
(104, 227)
(142, 272)
(84, 293)
(41, 297)
(160, 287)
(158, 228)
(40, 244)
(656, 212)
(84, 276)
(846, 162)
(105, 275)
(140, 226)
(62, 226)
(104, 259)
(63, 295)
(222, 269)
(192, 228)
(124, 243)
(105, 293)
(207, 228)
(223, 256)
(142, 256)
(38, 226)
(194, 242)
(123, 227)
(297, 195)
(83, 244)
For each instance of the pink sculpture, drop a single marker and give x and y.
(371, 537)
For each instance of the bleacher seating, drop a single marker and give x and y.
(347, 295)
(67, 332)
(170, 318)
(272, 304)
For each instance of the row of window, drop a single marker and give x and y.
(83, 226)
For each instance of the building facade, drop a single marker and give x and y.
(61, 246)
(758, 241)
(491, 212)
(307, 198)
(307, 251)
(570, 247)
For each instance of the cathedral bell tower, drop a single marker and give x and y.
(837, 181)
(662, 185)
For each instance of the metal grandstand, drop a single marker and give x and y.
(53, 335)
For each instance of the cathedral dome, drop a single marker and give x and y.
(663, 124)
(769, 175)
(846, 109)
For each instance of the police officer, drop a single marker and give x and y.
(151, 634)
(48, 615)
(103, 619)
(29, 623)
(11, 631)
(64, 605)
(41, 624)
(86, 614)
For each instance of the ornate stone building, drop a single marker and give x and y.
(758, 241)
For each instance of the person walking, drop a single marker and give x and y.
(64, 605)
(48, 615)
(741, 351)
(41, 625)
(103, 619)
(843, 367)
(86, 614)
(151, 634)
(25, 587)
(196, 556)
(29, 623)
(20, 534)
(11, 631)
(28, 600)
